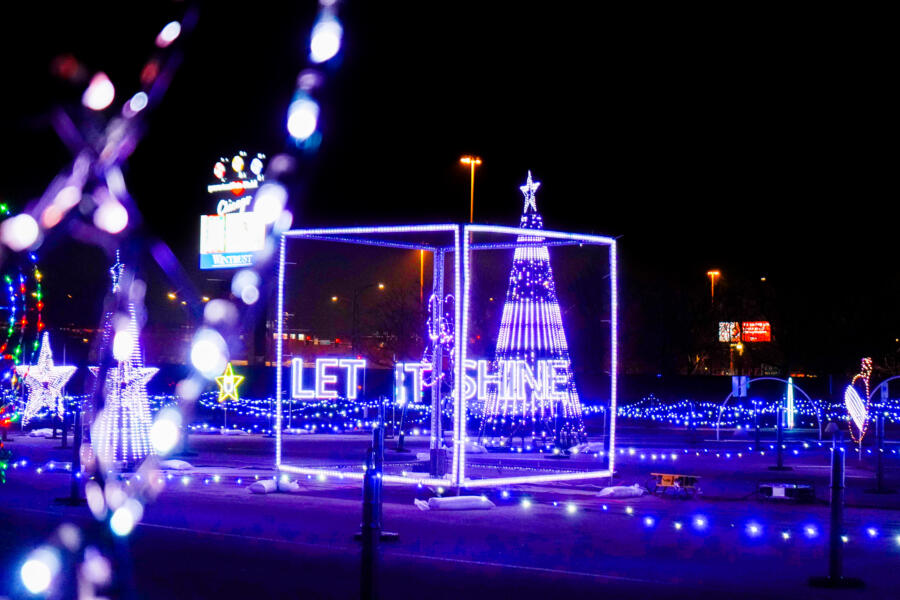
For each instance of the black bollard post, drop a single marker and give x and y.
(835, 577)
(370, 529)
(880, 488)
(757, 445)
(65, 434)
(779, 453)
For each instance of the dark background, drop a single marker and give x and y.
(748, 141)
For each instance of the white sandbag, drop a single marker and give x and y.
(623, 491)
(473, 448)
(587, 448)
(423, 455)
(460, 503)
(288, 486)
(44, 433)
(234, 432)
(421, 504)
(174, 464)
(264, 486)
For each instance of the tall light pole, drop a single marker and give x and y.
(354, 334)
(472, 161)
(712, 283)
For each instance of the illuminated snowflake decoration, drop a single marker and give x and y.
(44, 383)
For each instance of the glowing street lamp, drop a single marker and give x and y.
(712, 283)
(472, 161)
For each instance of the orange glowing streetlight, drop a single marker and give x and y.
(712, 283)
(472, 161)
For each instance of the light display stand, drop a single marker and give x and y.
(461, 240)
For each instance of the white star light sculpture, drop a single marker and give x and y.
(44, 383)
(121, 432)
(529, 189)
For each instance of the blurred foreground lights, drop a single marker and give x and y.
(138, 102)
(303, 118)
(39, 569)
(220, 311)
(19, 232)
(95, 568)
(326, 39)
(166, 431)
(123, 343)
(111, 216)
(245, 285)
(208, 353)
(126, 517)
(168, 34)
(270, 201)
(99, 93)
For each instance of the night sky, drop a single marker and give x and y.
(744, 142)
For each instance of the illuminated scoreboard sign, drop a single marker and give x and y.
(756, 331)
(230, 238)
(733, 332)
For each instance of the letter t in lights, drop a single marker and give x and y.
(353, 365)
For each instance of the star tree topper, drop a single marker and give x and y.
(44, 382)
(529, 189)
(228, 384)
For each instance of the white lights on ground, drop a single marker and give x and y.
(168, 34)
(753, 529)
(700, 522)
(270, 201)
(811, 531)
(326, 39)
(209, 352)
(871, 532)
(19, 232)
(526, 503)
(100, 92)
(649, 521)
(39, 569)
(571, 508)
(166, 431)
(303, 118)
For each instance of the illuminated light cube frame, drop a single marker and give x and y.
(393, 237)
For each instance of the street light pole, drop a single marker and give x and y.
(354, 332)
(472, 161)
(712, 284)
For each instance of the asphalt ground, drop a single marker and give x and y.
(207, 536)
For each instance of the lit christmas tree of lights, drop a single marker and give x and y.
(121, 432)
(531, 330)
(44, 383)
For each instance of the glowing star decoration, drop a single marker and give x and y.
(121, 431)
(228, 384)
(529, 189)
(44, 383)
(532, 339)
(857, 407)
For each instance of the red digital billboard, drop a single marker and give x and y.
(756, 331)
